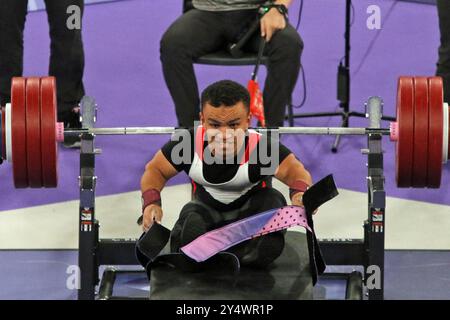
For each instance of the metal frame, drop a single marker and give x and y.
(88, 225)
(368, 251)
(94, 252)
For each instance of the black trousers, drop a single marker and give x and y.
(197, 32)
(197, 218)
(443, 65)
(66, 50)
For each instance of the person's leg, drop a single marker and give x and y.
(194, 34)
(284, 52)
(443, 66)
(263, 250)
(12, 22)
(66, 55)
(195, 219)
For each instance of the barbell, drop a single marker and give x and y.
(30, 132)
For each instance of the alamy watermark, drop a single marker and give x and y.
(373, 22)
(373, 280)
(74, 20)
(73, 281)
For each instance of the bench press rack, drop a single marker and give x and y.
(94, 252)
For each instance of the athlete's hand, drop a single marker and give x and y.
(297, 200)
(152, 213)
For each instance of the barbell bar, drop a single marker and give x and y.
(30, 132)
(280, 130)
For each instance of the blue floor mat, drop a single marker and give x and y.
(24, 274)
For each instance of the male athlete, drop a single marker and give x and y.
(230, 167)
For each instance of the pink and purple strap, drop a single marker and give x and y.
(254, 226)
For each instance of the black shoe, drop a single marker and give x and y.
(261, 251)
(194, 226)
(73, 142)
(72, 121)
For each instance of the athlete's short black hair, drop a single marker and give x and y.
(225, 93)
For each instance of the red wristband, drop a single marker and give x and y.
(297, 186)
(150, 196)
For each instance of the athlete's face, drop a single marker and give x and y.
(225, 128)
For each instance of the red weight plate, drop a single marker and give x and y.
(18, 132)
(435, 131)
(49, 147)
(33, 118)
(420, 153)
(405, 142)
(3, 133)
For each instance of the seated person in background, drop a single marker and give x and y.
(228, 164)
(66, 53)
(443, 66)
(208, 28)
